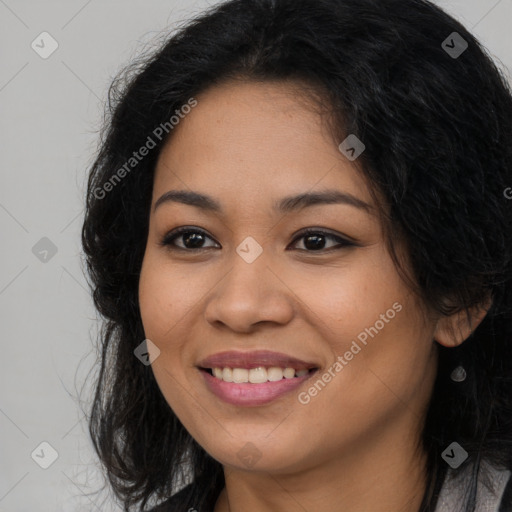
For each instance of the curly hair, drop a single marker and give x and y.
(438, 131)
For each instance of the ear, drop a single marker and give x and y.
(453, 330)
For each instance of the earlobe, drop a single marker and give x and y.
(453, 330)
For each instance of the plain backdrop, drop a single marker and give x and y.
(50, 111)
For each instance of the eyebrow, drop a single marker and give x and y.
(285, 205)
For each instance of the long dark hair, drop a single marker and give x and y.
(436, 119)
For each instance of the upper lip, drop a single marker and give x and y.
(254, 359)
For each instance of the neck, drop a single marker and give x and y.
(386, 472)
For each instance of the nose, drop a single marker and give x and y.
(249, 294)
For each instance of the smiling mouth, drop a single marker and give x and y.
(257, 375)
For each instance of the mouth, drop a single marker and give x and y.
(254, 378)
(257, 375)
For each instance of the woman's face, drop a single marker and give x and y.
(244, 278)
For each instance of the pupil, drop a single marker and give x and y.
(196, 239)
(315, 244)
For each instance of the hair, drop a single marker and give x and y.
(437, 131)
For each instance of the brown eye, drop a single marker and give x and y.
(315, 240)
(192, 239)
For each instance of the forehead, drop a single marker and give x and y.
(255, 139)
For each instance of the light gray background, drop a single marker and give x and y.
(50, 111)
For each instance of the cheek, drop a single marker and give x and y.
(169, 298)
(162, 305)
(392, 370)
(375, 323)
(166, 295)
(346, 301)
(153, 303)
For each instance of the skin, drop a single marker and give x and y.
(354, 446)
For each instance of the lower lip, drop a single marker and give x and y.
(247, 394)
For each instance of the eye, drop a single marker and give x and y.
(192, 238)
(314, 240)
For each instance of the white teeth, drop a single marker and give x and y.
(289, 373)
(240, 375)
(274, 373)
(227, 374)
(257, 375)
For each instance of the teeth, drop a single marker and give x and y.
(289, 373)
(274, 373)
(227, 374)
(257, 375)
(240, 375)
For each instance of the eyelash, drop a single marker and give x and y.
(168, 240)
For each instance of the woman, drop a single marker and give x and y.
(298, 233)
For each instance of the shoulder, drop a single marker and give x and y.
(494, 490)
(176, 501)
(186, 500)
(506, 500)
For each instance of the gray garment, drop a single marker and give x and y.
(450, 497)
(488, 500)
